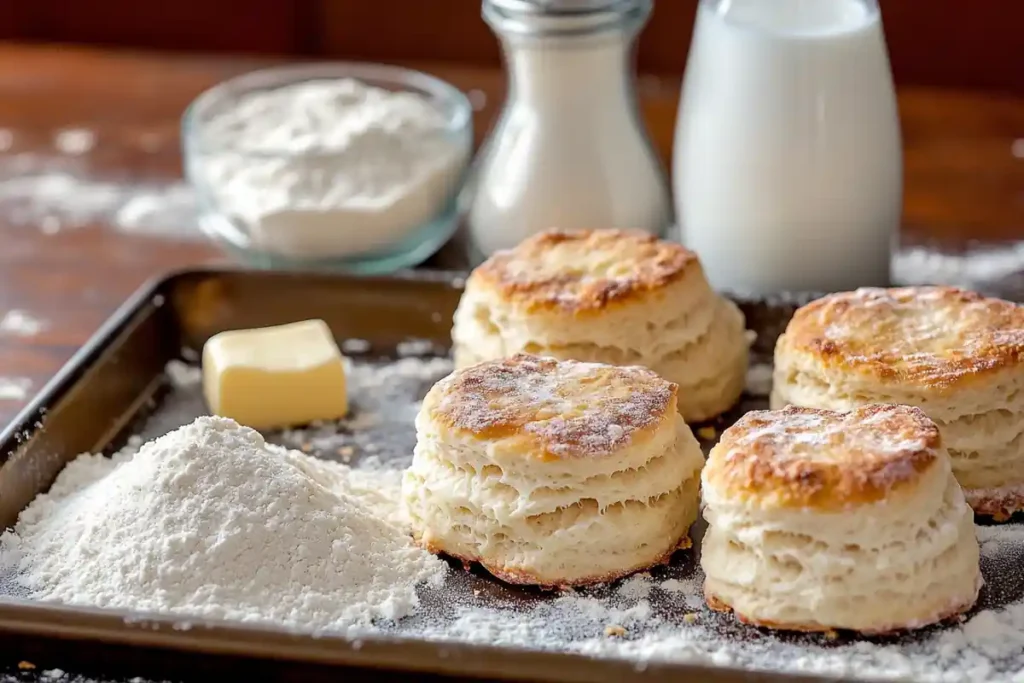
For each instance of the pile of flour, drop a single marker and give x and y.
(211, 521)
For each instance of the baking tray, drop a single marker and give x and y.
(116, 386)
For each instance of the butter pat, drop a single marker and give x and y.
(275, 376)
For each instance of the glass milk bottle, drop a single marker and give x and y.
(787, 161)
(569, 150)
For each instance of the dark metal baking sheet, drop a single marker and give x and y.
(116, 386)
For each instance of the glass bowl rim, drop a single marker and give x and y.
(456, 105)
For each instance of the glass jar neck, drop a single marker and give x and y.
(570, 72)
(568, 53)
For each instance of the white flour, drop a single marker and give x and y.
(74, 141)
(989, 646)
(645, 618)
(183, 375)
(384, 408)
(976, 269)
(330, 168)
(61, 676)
(210, 521)
(14, 388)
(356, 346)
(58, 200)
(18, 323)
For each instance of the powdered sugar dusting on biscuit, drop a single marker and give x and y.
(819, 457)
(584, 270)
(926, 336)
(571, 409)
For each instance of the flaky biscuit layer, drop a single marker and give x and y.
(933, 339)
(583, 271)
(871, 563)
(957, 355)
(551, 408)
(584, 497)
(663, 314)
(823, 460)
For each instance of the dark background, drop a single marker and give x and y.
(976, 44)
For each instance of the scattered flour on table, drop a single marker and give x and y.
(167, 210)
(211, 521)
(58, 200)
(14, 388)
(73, 202)
(977, 268)
(18, 323)
(74, 141)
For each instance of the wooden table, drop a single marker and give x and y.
(119, 114)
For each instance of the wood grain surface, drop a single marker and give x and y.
(946, 43)
(964, 178)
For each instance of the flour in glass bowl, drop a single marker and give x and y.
(328, 168)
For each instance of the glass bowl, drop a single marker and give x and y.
(277, 205)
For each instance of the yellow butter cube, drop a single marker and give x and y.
(275, 376)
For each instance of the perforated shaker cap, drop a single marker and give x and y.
(563, 16)
(560, 6)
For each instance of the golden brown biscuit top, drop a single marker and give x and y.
(820, 459)
(566, 409)
(582, 270)
(927, 337)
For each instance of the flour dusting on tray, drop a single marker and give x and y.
(655, 616)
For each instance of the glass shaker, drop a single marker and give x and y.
(569, 149)
(788, 162)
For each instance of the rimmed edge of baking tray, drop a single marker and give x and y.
(201, 636)
(25, 421)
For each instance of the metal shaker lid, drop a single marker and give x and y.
(560, 6)
(562, 16)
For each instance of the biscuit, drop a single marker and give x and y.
(955, 354)
(553, 473)
(819, 520)
(608, 296)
